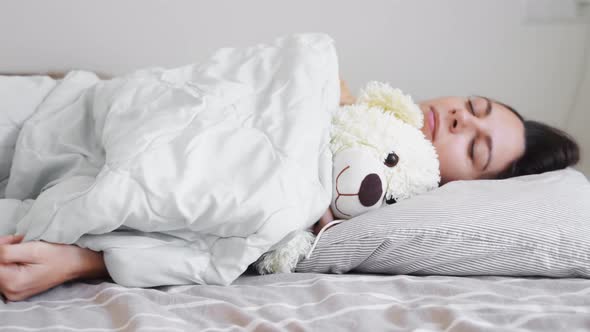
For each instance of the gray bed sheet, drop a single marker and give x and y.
(312, 302)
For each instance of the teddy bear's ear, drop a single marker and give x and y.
(390, 100)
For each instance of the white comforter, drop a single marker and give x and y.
(185, 175)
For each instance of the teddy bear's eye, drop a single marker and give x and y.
(391, 160)
(390, 201)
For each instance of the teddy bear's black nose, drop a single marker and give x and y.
(370, 191)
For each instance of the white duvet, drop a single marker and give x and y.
(185, 175)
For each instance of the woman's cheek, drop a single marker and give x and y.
(451, 163)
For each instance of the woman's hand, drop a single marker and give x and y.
(346, 98)
(33, 267)
(324, 220)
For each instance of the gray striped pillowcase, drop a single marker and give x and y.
(537, 225)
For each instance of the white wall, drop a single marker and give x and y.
(425, 47)
(579, 121)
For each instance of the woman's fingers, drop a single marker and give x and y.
(19, 253)
(15, 282)
(11, 239)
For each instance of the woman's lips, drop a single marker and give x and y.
(432, 123)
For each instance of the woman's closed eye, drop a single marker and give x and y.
(480, 152)
(479, 106)
(477, 152)
(479, 148)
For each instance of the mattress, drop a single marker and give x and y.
(312, 302)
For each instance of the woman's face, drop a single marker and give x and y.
(475, 138)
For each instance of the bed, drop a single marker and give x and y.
(312, 302)
(431, 288)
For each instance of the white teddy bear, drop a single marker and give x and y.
(380, 156)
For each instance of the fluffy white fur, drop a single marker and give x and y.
(384, 120)
(381, 133)
(285, 257)
(383, 96)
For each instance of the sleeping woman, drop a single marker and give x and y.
(475, 138)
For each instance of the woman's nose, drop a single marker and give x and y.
(461, 120)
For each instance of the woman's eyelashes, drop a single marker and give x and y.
(470, 106)
(471, 150)
(479, 153)
(474, 106)
(479, 106)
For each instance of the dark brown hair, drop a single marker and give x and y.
(546, 149)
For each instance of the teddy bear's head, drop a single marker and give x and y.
(380, 156)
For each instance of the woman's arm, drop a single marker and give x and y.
(30, 268)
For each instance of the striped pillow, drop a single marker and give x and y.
(536, 225)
